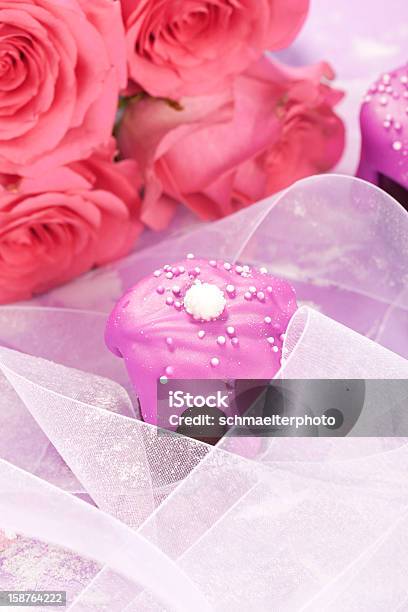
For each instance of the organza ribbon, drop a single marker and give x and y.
(138, 521)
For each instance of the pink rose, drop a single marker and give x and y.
(59, 225)
(192, 47)
(62, 64)
(219, 153)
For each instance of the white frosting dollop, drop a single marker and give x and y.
(204, 301)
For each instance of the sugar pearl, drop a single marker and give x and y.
(221, 340)
(271, 340)
(261, 296)
(263, 270)
(227, 266)
(215, 362)
(397, 145)
(275, 349)
(169, 371)
(252, 289)
(230, 289)
(201, 334)
(169, 300)
(235, 341)
(268, 320)
(213, 263)
(190, 256)
(169, 341)
(169, 275)
(160, 290)
(157, 273)
(247, 295)
(176, 289)
(230, 330)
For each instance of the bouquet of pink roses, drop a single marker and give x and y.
(206, 120)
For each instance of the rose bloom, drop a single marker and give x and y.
(62, 64)
(59, 225)
(219, 153)
(191, 47)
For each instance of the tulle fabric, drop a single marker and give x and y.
(124, 519)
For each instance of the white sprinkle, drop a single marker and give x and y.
(169, 300)
(397, 145)
(201, 334)
(157, 273)
(252, 289)
(263, 270)
(261, 296)
(190, 256)
(227, 266)
(213, 263)
(275, 349)
(268, 320)
(169, 341)
(230, 330)
(269, 289)
(178, 305)
(167, 267)
(239, 269)
(246, 268)
(221, 340)
(230, 289)
(282, 337)
(235, 341)
(247, 295)
(271, 340)
(205, 301)
(197, 270)
(169, 371)
(215, 362)
(169, 275)
(182, 269)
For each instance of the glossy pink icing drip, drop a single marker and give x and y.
(151, 330)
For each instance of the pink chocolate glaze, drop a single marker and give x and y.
(384, 130)
(150, 328)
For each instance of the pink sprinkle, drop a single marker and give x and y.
(176, 289)
(235, 341)
(169, 341)
(160, 289)
(169, 371)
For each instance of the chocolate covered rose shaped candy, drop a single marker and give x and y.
(200, 319)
